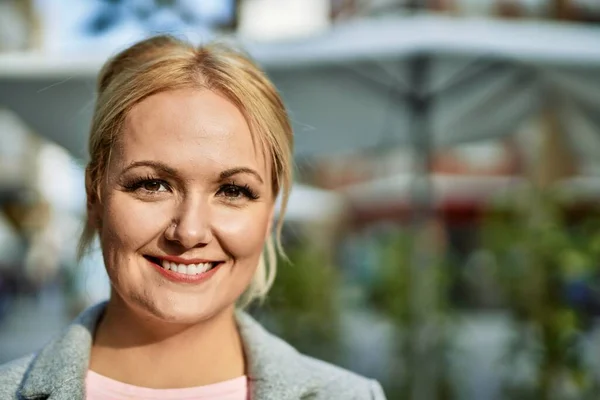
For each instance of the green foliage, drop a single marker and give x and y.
(390, 290)
(393, 293)
(303, 301)
(539, 252)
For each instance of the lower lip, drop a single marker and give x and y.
(182, 278)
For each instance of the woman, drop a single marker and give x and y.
(189, 148)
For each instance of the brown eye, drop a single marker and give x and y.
(232, 191)
(154, 186)
(147, 186)
(235, 192)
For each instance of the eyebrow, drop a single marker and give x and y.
(240, 170)
(159, 166)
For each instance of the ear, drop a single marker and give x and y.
(92, 200)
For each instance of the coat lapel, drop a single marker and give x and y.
(58, 371)
(276, 370)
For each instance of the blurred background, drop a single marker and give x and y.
(443, 230)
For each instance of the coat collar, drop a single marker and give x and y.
(275, 369)
(58, 371)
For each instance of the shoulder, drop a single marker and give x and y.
(337, 382)
(280, 371)
(62, 358)
(11, 376)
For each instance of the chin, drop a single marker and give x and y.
(168, 306)
(185, 312)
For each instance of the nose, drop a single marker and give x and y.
(191, 225)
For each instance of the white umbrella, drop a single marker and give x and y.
(361, 84)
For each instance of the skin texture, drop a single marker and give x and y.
(183, 206)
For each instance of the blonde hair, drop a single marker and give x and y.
(163, 63)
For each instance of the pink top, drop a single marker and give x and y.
(99, 387)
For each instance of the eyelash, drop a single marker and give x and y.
(245, 189)
(138, 183)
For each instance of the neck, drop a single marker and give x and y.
(146, 352)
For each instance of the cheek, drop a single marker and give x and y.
(130, 224)
(243, 232)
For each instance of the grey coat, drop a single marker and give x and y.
(278, 371)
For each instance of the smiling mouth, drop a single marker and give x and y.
(184, 269)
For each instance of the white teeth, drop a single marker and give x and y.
(206, 267)
(190, 269)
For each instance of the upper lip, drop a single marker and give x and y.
(185, 261)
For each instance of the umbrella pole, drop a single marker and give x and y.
(422, 330)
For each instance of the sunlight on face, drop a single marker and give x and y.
(185, 183)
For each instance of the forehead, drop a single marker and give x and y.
(191, 129)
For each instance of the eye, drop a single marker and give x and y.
(154, 186)
(234, 192)
(147, 186)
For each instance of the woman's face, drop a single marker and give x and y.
(185, 208)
